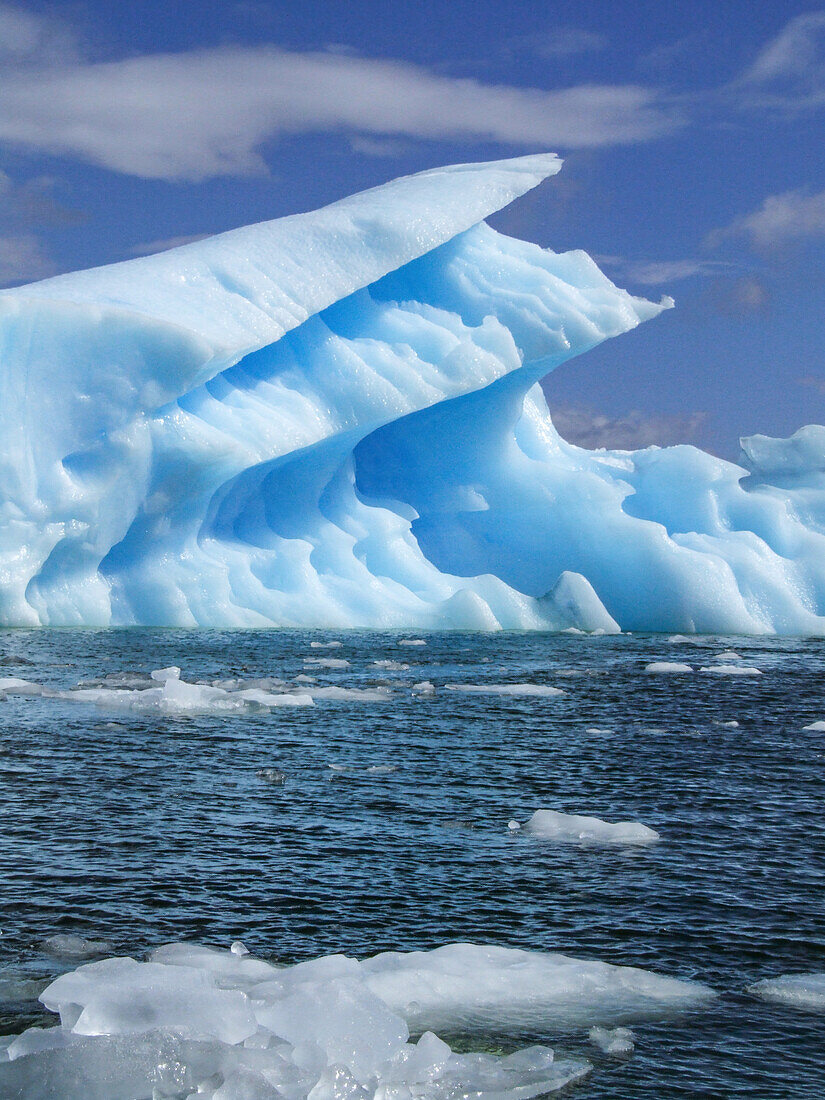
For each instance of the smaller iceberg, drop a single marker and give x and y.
(574, 828)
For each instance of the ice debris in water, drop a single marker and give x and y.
(423, 687)
(617, 1040)
(69, 945)
(506, 689)
(222, 1024)
(554, 825)
(327, 662)
(13, 685)
(727, 655)
(412, 641)
(667, 667)
(805, 991)
(239, 949)
(731, 670)
(272, 775)
(391, 666)
(815, 727)
(325, 645)
(176, 696)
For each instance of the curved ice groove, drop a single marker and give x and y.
(333, 420)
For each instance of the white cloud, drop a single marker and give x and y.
(209, 112)
(789, 72)
(636, 429)
(780, 220)
(23, 259)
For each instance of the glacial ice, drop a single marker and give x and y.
(617, 1040)
(659, 668)
(576, 828)
(334, 420)
(196, 1021)
(545, 690)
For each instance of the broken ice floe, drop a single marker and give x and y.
(731, 670)
(575, 828)
(69, 945)
(664, 667)
(222, 1024)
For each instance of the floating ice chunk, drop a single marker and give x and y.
(412, 641)
(272, 699)
(815, 727)
(352, 695)
(731, 670)
(595, 730)
(176, 696)
(513, 826)
(465, 987)
(727, 655)
(667, 666)
(68, 945)
(553, 825)
(506, 689)
(272, 775)
(122, 997)
(164, 674)
(618, 1040)
(327, 662)
(325, 645)
(391, 666)
(239, 949)
(423, 687)
(800, 990)
(13, 685)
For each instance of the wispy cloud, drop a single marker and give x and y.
(780, 220)
(636, 429)
(789, 72)
(209, 112)
(23, 259)
(558, 42)
(149, 248)
(660, 272)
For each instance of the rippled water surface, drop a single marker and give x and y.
(140, 829)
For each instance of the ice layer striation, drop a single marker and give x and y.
(334, 419)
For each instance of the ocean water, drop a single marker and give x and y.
(139, 829)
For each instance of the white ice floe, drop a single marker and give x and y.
(223, 1025)
(800, 990)
(327, 662)
(412, 641)
(352, 695)
(325, 645)
(665, 667)
(553, 825)
(731, 670)
(727, 655)
(391, 666)
(815, 727)
(617, 1040)
(506, 689)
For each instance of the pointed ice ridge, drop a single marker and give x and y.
(333, 420)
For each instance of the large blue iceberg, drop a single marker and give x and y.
(334, 419)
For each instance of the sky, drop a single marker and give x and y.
(693, 134)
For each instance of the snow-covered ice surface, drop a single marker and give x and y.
(800, 990)
(334, 420)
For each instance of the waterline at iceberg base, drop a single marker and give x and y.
(334, 419)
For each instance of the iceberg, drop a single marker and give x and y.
(334, 420)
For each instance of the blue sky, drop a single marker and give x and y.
(693, 135)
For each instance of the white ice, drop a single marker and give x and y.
(664, 667)
(731, 670)
(617, 1040)
(800, 990)
(575, 828)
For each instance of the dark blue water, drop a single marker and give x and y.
(141, 829)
